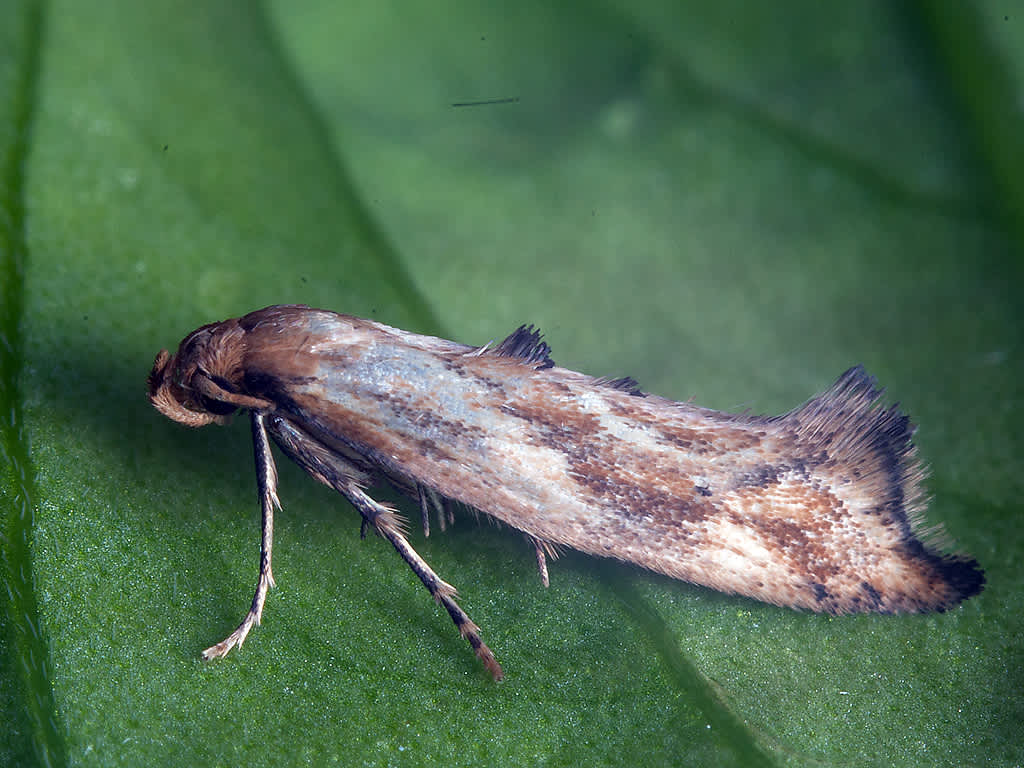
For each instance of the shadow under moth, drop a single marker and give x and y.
(818, 508)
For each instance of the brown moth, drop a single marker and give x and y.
(817, 508)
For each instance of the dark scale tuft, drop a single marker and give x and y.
(526, 343)
(625, 384)
(961, 573)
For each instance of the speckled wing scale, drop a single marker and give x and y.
(816, 509)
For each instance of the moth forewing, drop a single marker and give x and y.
(817, 508)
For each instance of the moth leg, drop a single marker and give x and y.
(383, 520)
(542, 561)
(444, 510)
(266, 481)
(424, 511)
(428, 498)
(334, 471)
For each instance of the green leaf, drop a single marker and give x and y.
(732, 202)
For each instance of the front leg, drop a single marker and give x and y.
(266, 481)
(333, 470)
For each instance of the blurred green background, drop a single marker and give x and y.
(732, 202)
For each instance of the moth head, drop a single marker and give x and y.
(198, 385)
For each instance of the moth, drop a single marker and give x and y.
(819, 508)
